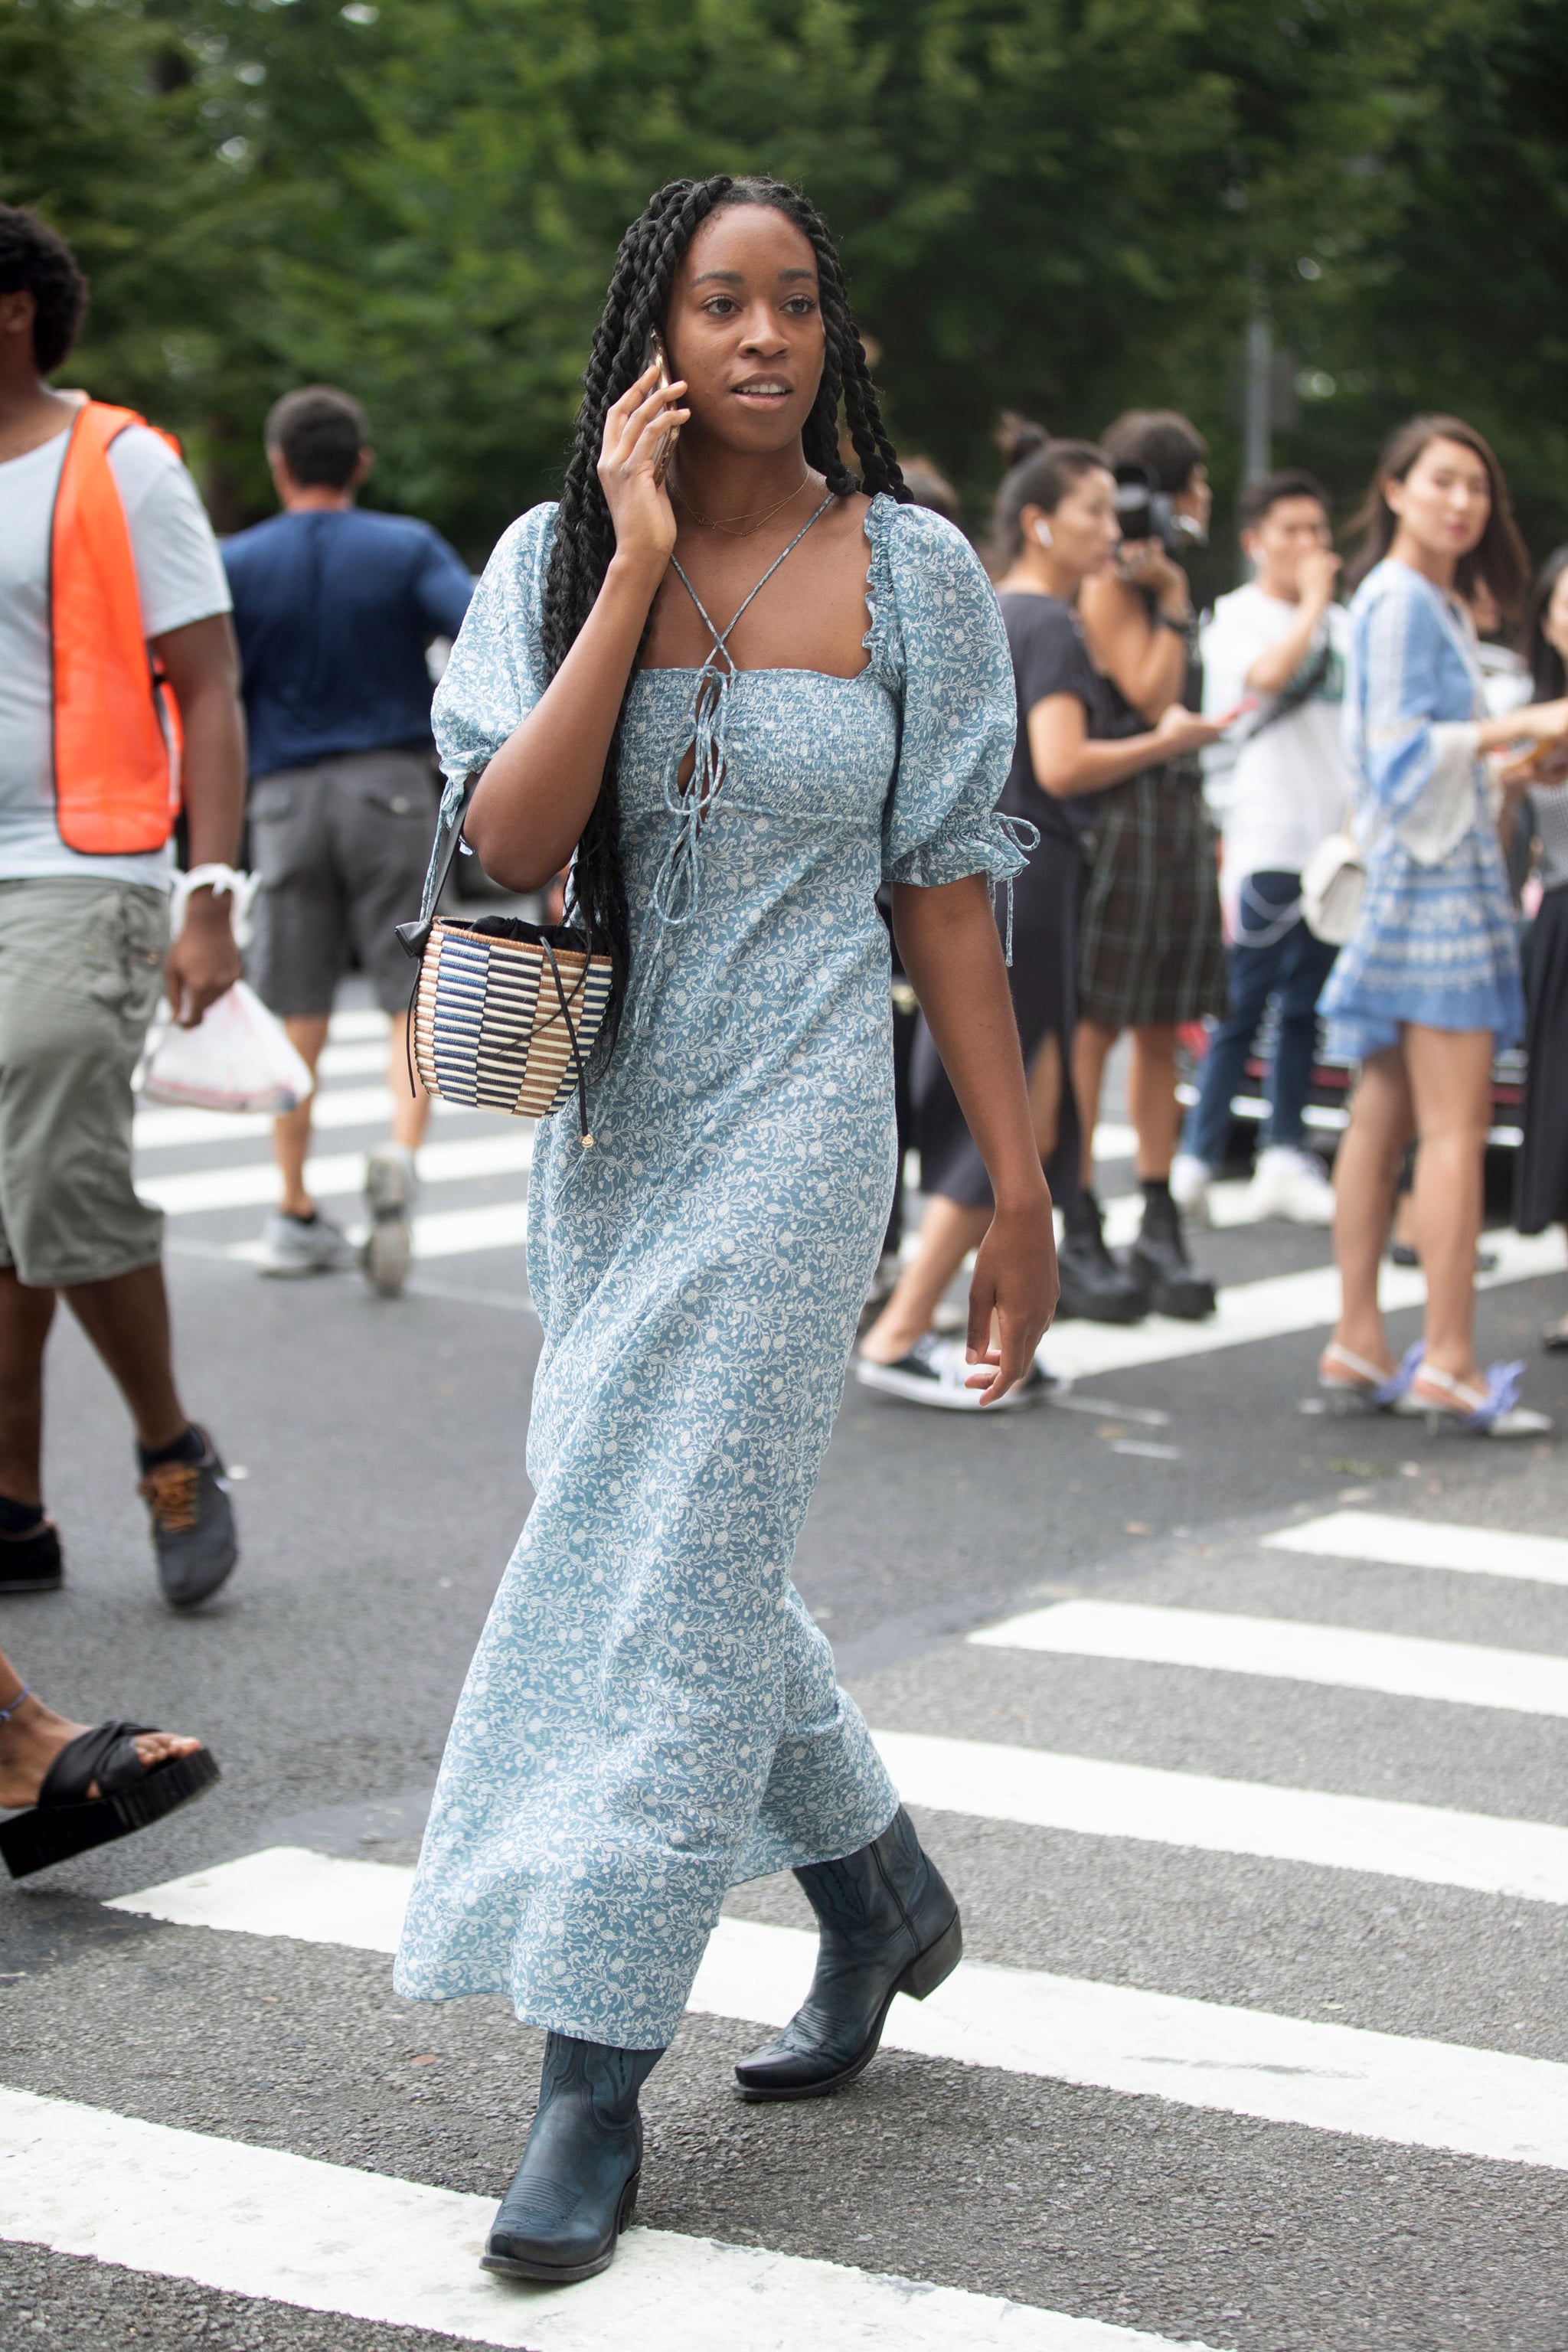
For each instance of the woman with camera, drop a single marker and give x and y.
(1426, 989)
(1077, 741)
(1541, 1190)
(1152, 954)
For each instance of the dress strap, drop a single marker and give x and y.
(676, 884)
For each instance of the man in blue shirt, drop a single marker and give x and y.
(334, 610)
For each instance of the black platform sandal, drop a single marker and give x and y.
(66, 1820)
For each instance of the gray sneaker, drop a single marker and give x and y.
(290, 1246)
(389, 1185)
(194, 1535)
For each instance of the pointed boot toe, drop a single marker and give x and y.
(890, 1925)
(576, 2188)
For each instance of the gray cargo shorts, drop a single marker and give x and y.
(81, 973)
(341, 850)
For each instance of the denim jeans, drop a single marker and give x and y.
(1290, 967)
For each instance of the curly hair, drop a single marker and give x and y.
(639, 299)
(35, 260)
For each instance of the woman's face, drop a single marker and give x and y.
(746, 329)
(1445, 502)
(1554, 620)
(1085, 533)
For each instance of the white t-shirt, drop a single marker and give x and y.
(1289, 785)
(180, 577)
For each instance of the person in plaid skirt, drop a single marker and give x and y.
(1152, 946)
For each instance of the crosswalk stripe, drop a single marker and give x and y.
(1426, 1543)
(1341, 2078)
(1096, 1799)
(1400, 1666)
(254, 1183)
(166, 1127)
(1273, 1308)
(324, 2237)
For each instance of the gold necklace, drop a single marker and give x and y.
(757, 516)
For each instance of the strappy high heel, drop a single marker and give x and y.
(1493, 1411)
(1367, 1390)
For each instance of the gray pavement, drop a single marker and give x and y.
(383, 1447)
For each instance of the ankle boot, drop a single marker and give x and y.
(888, 1925)
(1095, 1289)
(1160, 1255)
(576, 2188)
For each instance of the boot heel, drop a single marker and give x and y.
(628, 2204)
(935, 1964)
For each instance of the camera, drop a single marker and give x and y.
(1145, 512)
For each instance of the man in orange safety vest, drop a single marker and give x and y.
(118, 701)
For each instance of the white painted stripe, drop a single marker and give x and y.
(1439, 1848)
(1270, 1309)
(354, 1025)
(1200, 2054)
(1428, 1543)
(352, 1061)
(452, 1232)
(1114, 1141)
(254, 1183)
(1398, 1664)
(167, 1128)
(322, 2237)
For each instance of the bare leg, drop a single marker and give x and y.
(1091, 1046)
(948, 1232)
(1450, 1081)
(1045, 1094)
(25, 1314)
(127, 1320)
(1151, 1100)
(291, 1133)
(1366, 1173)
(410, 1110)
(33, 1736)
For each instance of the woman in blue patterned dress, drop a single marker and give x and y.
(737, 702)
(1426, 990)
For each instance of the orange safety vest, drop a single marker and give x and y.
(116, 727)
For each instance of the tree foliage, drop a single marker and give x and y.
(1065, 206)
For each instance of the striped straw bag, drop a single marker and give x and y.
(504, 1013)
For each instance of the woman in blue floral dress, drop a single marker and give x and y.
(738, 700)
(1426, 990)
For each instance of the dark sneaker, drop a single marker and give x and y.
(1160, 1256)
(1095, 1289)
(193, 1534)
(31, 1562)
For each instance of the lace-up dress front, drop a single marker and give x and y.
(651, 1715)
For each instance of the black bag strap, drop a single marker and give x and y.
(443, 858)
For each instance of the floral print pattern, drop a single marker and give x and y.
(651, 1715)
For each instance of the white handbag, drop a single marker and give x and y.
(1333, 884)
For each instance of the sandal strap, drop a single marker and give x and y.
(106, 1753)
(1346, 1357)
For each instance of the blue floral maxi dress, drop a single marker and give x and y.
(1435, 942)
(651, 1715)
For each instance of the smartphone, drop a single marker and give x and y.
(655, 355)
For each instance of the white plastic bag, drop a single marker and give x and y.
(238, 1057)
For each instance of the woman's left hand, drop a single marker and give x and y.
(1011, 1297)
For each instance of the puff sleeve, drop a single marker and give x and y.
(941, 648)
(496, 674)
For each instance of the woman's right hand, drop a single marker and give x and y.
(634, 427)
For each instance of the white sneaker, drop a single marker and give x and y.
(1190, 1182)
(935, 1371)
(389, 1187)
(1289, 1183)
(292, 1248)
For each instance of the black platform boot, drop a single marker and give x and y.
(1095, 1289)
(576, 2188)
(1160, 1255)
(888, 1925)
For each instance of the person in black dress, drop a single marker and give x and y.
(1541, 1183)
(1056, 526)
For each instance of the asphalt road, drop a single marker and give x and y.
(1115, 2169)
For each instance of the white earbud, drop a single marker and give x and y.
(1043, 533)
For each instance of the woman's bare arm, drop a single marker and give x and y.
(948, 942)
(1149, 663)
(537, 792)
(1066, 760)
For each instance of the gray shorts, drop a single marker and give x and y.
(341, 850)
(81, 971)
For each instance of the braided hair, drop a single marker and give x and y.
(650, 254)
